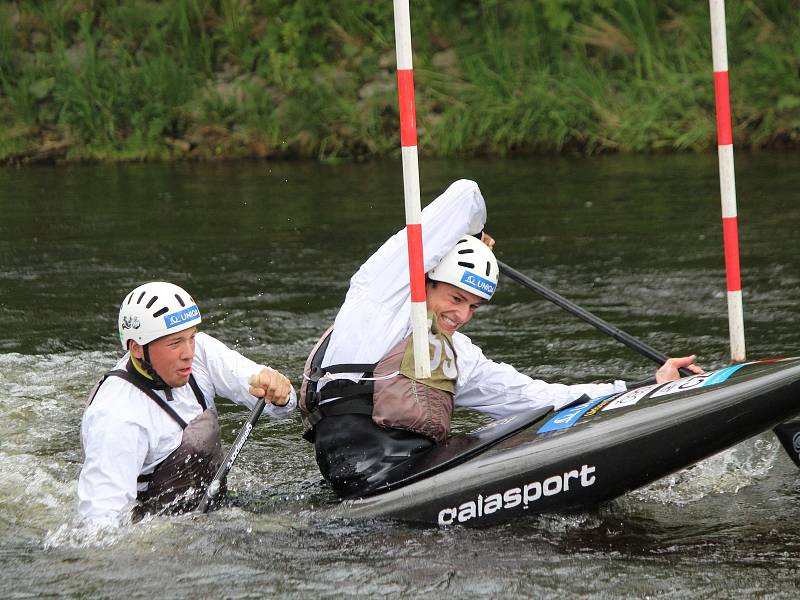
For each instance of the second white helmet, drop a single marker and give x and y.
(154, 310)
(471, 266)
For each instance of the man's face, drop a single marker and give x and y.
(171, 356)
(452, 306)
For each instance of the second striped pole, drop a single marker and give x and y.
(727, 180)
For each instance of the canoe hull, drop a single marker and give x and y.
(599, 450)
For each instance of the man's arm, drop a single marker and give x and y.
(230, 374)
(460, 210)
(114, 453)
(499, 390)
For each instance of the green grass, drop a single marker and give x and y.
(208, 79)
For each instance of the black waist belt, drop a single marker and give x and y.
(339, 397)
(350, 405)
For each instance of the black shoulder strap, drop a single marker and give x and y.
(197, 392)
(140, 385)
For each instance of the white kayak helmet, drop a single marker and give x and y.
(154, 310)
(471, 266)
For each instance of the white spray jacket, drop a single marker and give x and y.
(376, 315)
(125, 434)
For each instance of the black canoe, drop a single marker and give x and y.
(586, 453)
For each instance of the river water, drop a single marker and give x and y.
(267, 249)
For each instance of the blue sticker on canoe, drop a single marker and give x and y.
(187, 315)
(567, 418)
(722, 375)
(479, 283)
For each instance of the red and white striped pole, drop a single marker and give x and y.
(408, 143)
(727, 181)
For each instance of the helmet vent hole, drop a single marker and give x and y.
(488, 268)
(466, 264)
(160, 312)
(180, 300)
(139, 299)
(466, 251)
(152, 301)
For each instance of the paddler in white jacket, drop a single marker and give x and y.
(150, 435)
(362, 407)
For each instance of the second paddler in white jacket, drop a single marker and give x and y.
(150, 434)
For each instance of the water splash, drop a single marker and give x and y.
(724, 473)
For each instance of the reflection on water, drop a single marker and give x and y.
(267, 249)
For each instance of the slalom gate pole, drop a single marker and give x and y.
(727, 181)
(408, 143)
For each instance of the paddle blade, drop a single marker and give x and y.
(789, 435)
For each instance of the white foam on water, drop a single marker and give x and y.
(724, 473)
(42, 396)
(42, 399)
(151, 531)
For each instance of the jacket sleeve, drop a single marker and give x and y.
(230, 373)
(114, 453)
(499, 390)
(458, 211)
(376, 313)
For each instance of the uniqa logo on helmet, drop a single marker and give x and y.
(181, 317)
(478, 282)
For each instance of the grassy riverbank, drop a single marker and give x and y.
(203, 79)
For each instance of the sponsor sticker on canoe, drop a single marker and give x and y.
(567, 418)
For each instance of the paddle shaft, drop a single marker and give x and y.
(213, 488)
(631, 342)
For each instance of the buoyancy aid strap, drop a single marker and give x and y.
(142, 387)
(347, 368)
(315, 372)
(338, 396)
(337, 387)
(197, 392)
(351, 405)
(344, 388)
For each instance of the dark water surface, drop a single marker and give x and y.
(267, 249)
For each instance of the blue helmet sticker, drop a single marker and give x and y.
(484, 286)
(187, 315)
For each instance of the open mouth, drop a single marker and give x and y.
(448, 324)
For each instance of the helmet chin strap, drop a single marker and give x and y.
(148, 367)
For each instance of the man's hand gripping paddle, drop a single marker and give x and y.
(212, 492)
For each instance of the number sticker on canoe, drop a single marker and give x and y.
(673, 387)
(696, 381)
(630, 398)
